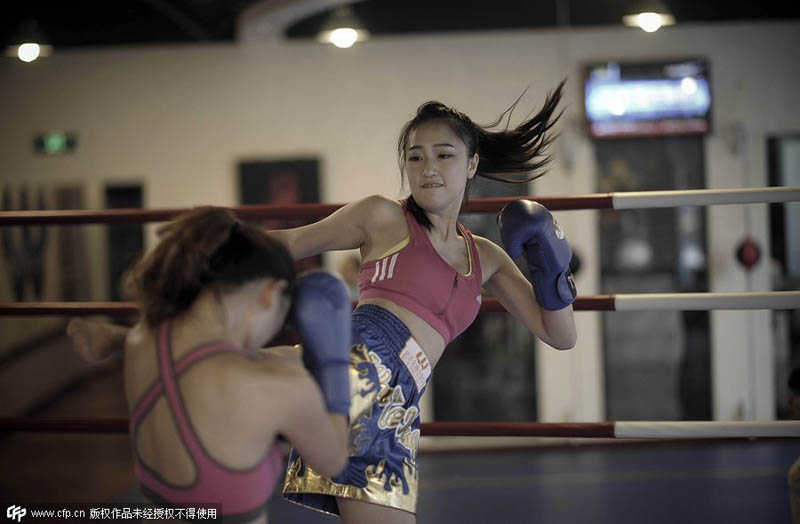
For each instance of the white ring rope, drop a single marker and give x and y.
(681, 430)
(704, 197)
(707, 301)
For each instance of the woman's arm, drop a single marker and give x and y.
(319, 436)
(504, 280)
(346, 228)
(281, 397)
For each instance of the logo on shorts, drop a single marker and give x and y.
(416, 363)
(422, 360)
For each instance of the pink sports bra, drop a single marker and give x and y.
(414, 276)
(241, 493)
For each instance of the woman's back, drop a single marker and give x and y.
(196, 434)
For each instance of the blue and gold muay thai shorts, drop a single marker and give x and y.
(388, 374)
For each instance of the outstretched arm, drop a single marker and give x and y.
(95, 340)
(346, 228)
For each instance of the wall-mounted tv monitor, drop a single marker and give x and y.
(647, 99)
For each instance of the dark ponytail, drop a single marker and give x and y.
(516, 155)
(204, 247)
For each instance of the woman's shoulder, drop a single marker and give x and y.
(491, 255)
(268, 362)
(381, 207)
(270, 371)
(485, 245)
(380, 217)
(275, 363)
(270, 384)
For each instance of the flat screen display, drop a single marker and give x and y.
(647, 99)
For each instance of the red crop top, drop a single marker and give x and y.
(417, 278)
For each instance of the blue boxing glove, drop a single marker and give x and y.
(322, 316)
(528, 227)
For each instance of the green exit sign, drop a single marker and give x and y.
(55, 143)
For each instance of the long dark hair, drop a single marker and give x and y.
(516, 155)
(204, 247)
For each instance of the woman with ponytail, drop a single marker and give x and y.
(206, 402)
(420, 287)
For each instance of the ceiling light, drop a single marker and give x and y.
(28, 52)
(27, 44)
(649, 15)
(342, 29)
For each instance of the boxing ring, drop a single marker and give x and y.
(743, 433)
(616, 302)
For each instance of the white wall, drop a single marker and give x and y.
(178, 119)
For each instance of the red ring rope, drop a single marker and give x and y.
(263, 212)
(617, 302)
(657, 429)
(491, 305)
(618, 200)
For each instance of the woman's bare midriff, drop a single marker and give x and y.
(428, 338)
